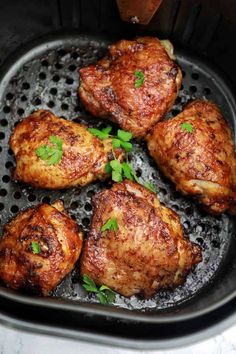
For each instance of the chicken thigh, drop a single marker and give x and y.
(54, 153)
(136, 245)
(39, 248)
(135, 85)
(196, 151)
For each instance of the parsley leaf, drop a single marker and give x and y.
(150, 186)
(101, 134)
(187, 127)
(123, 135)
(35, 247)
(110, 225)
(140, 78)
(105, 295)
(51, 154)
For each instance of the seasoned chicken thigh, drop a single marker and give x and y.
(54, 153)
(196, 151)
(135, 85)
(136, 245)
(39, 248)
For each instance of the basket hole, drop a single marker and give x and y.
(206, 91)
(3, 192)
(64, 106)
(199, 241)
(10, 152)
(56, 78)
(9, 96)
(25, 86)
(23, 98)
(215, 243)
(6, 179)
(4, 122)
(85, 222)
(17, 195)
(88, 207)
(37, 101)
(8, 164)
(74, 55)
(2, 135)
(74, 205)
(46, 199)
(1, 206)
(163, 191)
(61, 52)
(0, 149)
(138, 172)
(53, 91)
(50, 104)
(31, 197)
(175, 112)
(68, 94)
(72, 67)
(90, 193)
(69, 80)
(195, 76)
(14, 209)
(178, 100)
(183, 73)
(42, 76)
(20, 111)
(188, 211)
(6, 109)
(193, 89)
(44, 63)
(58, 66)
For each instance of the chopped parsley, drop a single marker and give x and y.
(35, 246)
(140, 78)
(110, 225)
(51, 154)
(150, 186)
(104, 294)
(101, 134)
(187, 127)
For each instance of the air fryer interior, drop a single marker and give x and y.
(44, 75)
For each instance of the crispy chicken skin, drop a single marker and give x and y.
(108, 90)
(60, 244)
(83, 160)
(200, 163)
(147, 252)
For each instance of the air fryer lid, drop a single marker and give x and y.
(44, 75)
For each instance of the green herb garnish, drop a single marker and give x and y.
(120, 170)
(110, 225)
(101, 134)
(105, 295)
(51, 154)
(140, 78)
(187, 127)
(35, 247)
(150, 186)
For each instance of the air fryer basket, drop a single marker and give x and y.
(44, 75)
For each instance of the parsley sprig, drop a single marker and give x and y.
(110, 225)
(140, 78)
(105, 295)
(120, 170)
(187, 127)
(51, 154)
(35, 246)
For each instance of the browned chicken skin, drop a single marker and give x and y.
(201, 162)
(83, 160)
(108, 90)
(60, 244)
(146, 253)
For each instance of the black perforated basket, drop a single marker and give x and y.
(44, 74)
